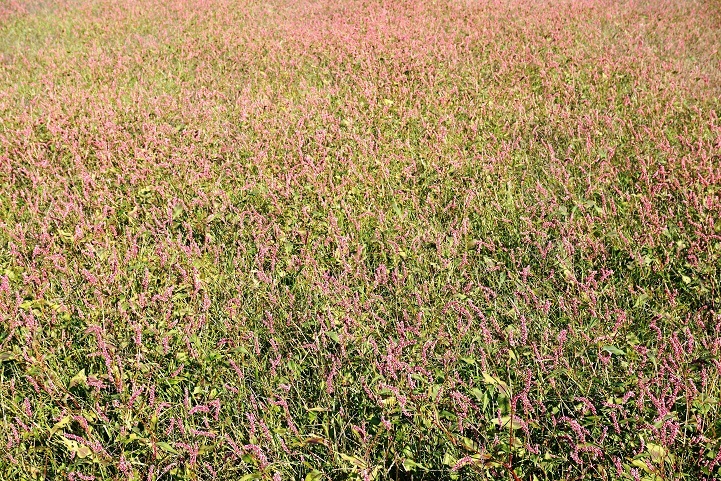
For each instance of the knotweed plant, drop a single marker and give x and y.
(360, 240)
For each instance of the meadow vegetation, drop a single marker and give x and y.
(360, 240)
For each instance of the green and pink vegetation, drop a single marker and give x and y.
(344, 239)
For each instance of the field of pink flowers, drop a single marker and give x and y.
(360, 240)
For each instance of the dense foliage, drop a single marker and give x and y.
(346, 239)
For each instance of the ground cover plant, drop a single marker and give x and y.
(335, 240)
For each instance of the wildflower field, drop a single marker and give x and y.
(360, 240)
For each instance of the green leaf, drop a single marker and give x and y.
(410, 465)
(469, 443)
(658, 453)
(318, 409)
(641, 464)
(497, 383)
(477, 393)
(79, 379)
(60, 424)
(80, 450)
(166, 447)
(505, 422)
(25, 305)
(357, 462)
(614, 350)
(449, 459)
(314, 475)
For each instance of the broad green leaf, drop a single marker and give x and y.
(657, 452)
(314, 475)
(449, 459)
(166, 447)
(614, 350)
(477, 393)
(641, 464)
(410, 465)
(498, 383)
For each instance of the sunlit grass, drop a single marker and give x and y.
(360, 240)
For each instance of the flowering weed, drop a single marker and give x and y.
(363, 240)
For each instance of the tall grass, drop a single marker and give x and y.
(360, 240)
